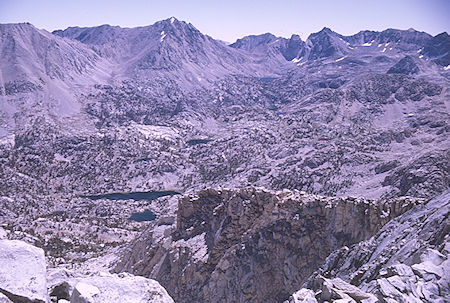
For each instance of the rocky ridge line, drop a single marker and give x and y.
(406, 261)
(251, 245)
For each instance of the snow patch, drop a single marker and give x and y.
(163, 35)
(172, 20)
(421, 56)
(296, 60)
(156, 131)
(384, 49)
(447, 67)
(340, 59)
(369, 43)
(379, 45)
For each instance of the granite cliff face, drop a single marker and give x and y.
(252, 245)
(406, 261)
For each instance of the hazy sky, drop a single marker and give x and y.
(231, 19)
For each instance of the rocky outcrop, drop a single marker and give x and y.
(405, 66)
(406, 261)
(22, 272)
(24, 279)
(4, 299)
(105, 288)
(252, 245)
(425, 176)
(303, 296)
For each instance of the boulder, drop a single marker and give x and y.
(22, 272)
(120, 288)
(85, 293)
(304, 295)
(337, 289)
(4, 299)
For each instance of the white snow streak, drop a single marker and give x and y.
(163, 35)
(369, 43)
(340, 59)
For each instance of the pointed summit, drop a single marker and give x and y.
(325, 43)
(172, 20)
(326, 30)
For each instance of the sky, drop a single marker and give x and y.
(231, 19)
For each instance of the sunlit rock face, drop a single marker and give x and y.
(226, 244)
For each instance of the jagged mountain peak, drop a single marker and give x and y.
(325, 43)
(271, 47)
(326, 31)
(443, 35)
(108, 34)
(173, 21)
(438, 49)
(403, 39)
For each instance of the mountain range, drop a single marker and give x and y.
(220, 140)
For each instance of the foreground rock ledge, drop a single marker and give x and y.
(24, 279)
(22, 272)
(252, 245)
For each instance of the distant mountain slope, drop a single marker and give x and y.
(42, 74)
(270, 46)
(170, 48)
(327, 44)
(34, 54)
